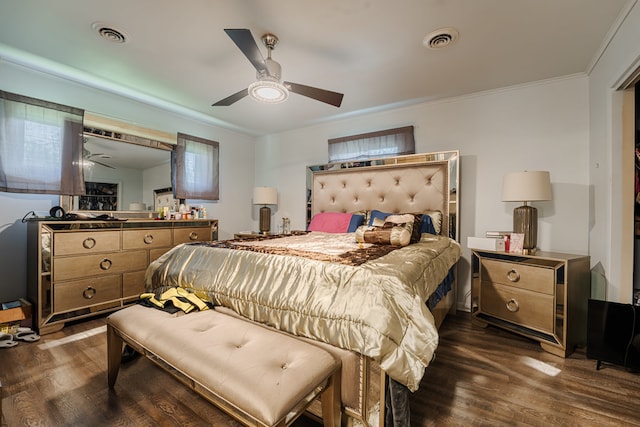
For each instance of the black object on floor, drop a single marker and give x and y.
(613, 334)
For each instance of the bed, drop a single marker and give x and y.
(377, 306)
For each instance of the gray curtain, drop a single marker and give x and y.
(195, 168)
(384, 143)
(40, 146)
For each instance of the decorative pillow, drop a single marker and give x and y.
(416, 233)
(436, 221)
(365, 214)
(356, 221)
(377, 214)
(426, 224)
(393, 230)
(331, 222)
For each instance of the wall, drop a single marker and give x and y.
(609, 224)
(236, 164)
(538, 126)
(155, 178)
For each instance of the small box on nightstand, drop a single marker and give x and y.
(486, 243)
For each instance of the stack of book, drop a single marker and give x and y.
(497, 234)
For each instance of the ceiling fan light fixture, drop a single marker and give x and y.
(269, 91)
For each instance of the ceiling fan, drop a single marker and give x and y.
(268, 86)
(90, 157)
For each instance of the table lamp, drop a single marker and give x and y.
(527, 186)
(265, 196)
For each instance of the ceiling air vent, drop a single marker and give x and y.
(441, 38)
(109, 33)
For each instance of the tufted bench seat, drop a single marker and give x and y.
(257, 375)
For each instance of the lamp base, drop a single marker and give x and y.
(265, 220)
(525, 221)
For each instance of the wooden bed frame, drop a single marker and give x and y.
(405, 184)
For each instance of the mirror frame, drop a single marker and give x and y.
(117, 131)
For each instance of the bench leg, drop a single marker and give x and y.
(114, 355)
(331, 402)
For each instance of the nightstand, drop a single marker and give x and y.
(542, 296)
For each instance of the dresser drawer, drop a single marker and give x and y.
(154, 254)
(141, 239)
(83, 242)
(533, 278)
(519, 306)
(191, 234)
(133, 284)
(65, 268)
(81, 293)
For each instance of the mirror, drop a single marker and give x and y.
(453, 157)
(122, 173)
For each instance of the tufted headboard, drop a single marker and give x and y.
(396, 188)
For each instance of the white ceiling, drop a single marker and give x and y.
(122, 155)
(178, 56)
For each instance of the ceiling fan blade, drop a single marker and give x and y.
(326, 96)
(231, 99)
(101, 164)
(247, 44)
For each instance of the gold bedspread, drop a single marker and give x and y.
(377, 309)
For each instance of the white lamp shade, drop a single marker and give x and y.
(265, 196)
(527, 186)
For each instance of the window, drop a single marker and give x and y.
(385, 143)
(40, 146)
(194, 168)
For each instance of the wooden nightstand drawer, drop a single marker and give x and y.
(140, 239)
(533, 278)
(83, 242)
(65, 268)
(519, 306)
(191, 234)
(81, 293)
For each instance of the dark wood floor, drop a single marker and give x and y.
(481, 377)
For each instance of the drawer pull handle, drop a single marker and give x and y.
(148, 239)
(513, 275)
(512, 305)
(89, 293)
(193, 235)
(105, 264)
(89, 243)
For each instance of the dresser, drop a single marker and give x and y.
(78, 269)
(542, 296)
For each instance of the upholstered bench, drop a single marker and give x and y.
(257, 375)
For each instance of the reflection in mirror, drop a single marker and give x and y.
(453, 157)
(121, 173)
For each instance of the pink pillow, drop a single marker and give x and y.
(330, 222)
